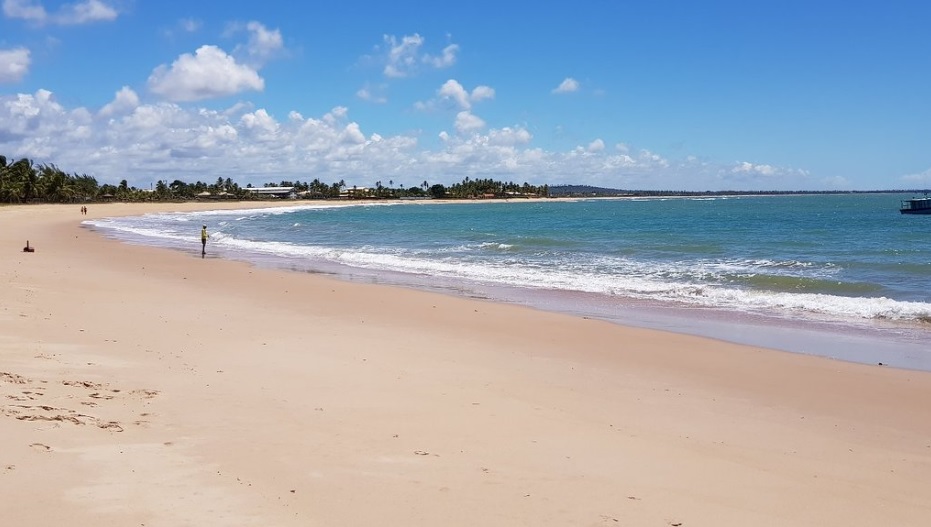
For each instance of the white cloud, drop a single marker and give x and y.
(145, 142)
(568, 85)
(123, 102)
(836, 183)
(745, 167)
(467, 122)
(24, 10)
(366, 94)
(84, 12)
(403, 57)
(480, 93)
(184, 25)
(447, 59)
(452, 91)
(189, 25)
(259, 126)
(14, 64)
(352, 134)
(508, 136)
(919, 178)
(209, 73)
(77, 13)
(263, 45)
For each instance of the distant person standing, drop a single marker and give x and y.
(203, 240)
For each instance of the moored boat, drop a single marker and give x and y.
(916, 206)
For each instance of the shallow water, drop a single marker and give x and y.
(845, 276)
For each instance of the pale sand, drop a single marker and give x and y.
(152, 387)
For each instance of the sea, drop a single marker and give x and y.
(844, 276)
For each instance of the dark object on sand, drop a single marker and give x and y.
(28, 249)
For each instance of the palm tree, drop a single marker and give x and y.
(18, 181)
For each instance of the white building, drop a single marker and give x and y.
(273, 192)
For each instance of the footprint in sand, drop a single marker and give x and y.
(112, 426)
(84, 384)
(97, 392)
(13, 378)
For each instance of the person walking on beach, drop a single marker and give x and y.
(203, 240)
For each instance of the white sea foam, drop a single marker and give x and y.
(641, 283)
(705, 282)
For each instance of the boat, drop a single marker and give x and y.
(916, 206)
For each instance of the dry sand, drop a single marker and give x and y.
(141, 386)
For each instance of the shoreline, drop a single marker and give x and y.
(866, 341)
(222, 393)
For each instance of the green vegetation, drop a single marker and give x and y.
(24, 182)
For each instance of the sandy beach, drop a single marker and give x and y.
(143, 386)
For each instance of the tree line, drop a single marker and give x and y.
(23, 181)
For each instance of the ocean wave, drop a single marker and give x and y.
(789, 286)
(643, 284)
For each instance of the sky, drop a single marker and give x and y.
(663, 95)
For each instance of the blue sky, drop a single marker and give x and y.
(678, 95)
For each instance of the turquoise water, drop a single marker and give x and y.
(845, 261)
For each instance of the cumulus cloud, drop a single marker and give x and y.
(745, 167)
(77, 13)
(467, 122)
(164, 140)
(123, 102)
(568, 85)
(259, 125)
(745, 175)
(453, 92)
(208, 73)
(403, 57)
(480, 93)
(14, 64)
(509, 136)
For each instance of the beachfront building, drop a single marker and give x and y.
(355, 193)
(273, 192)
